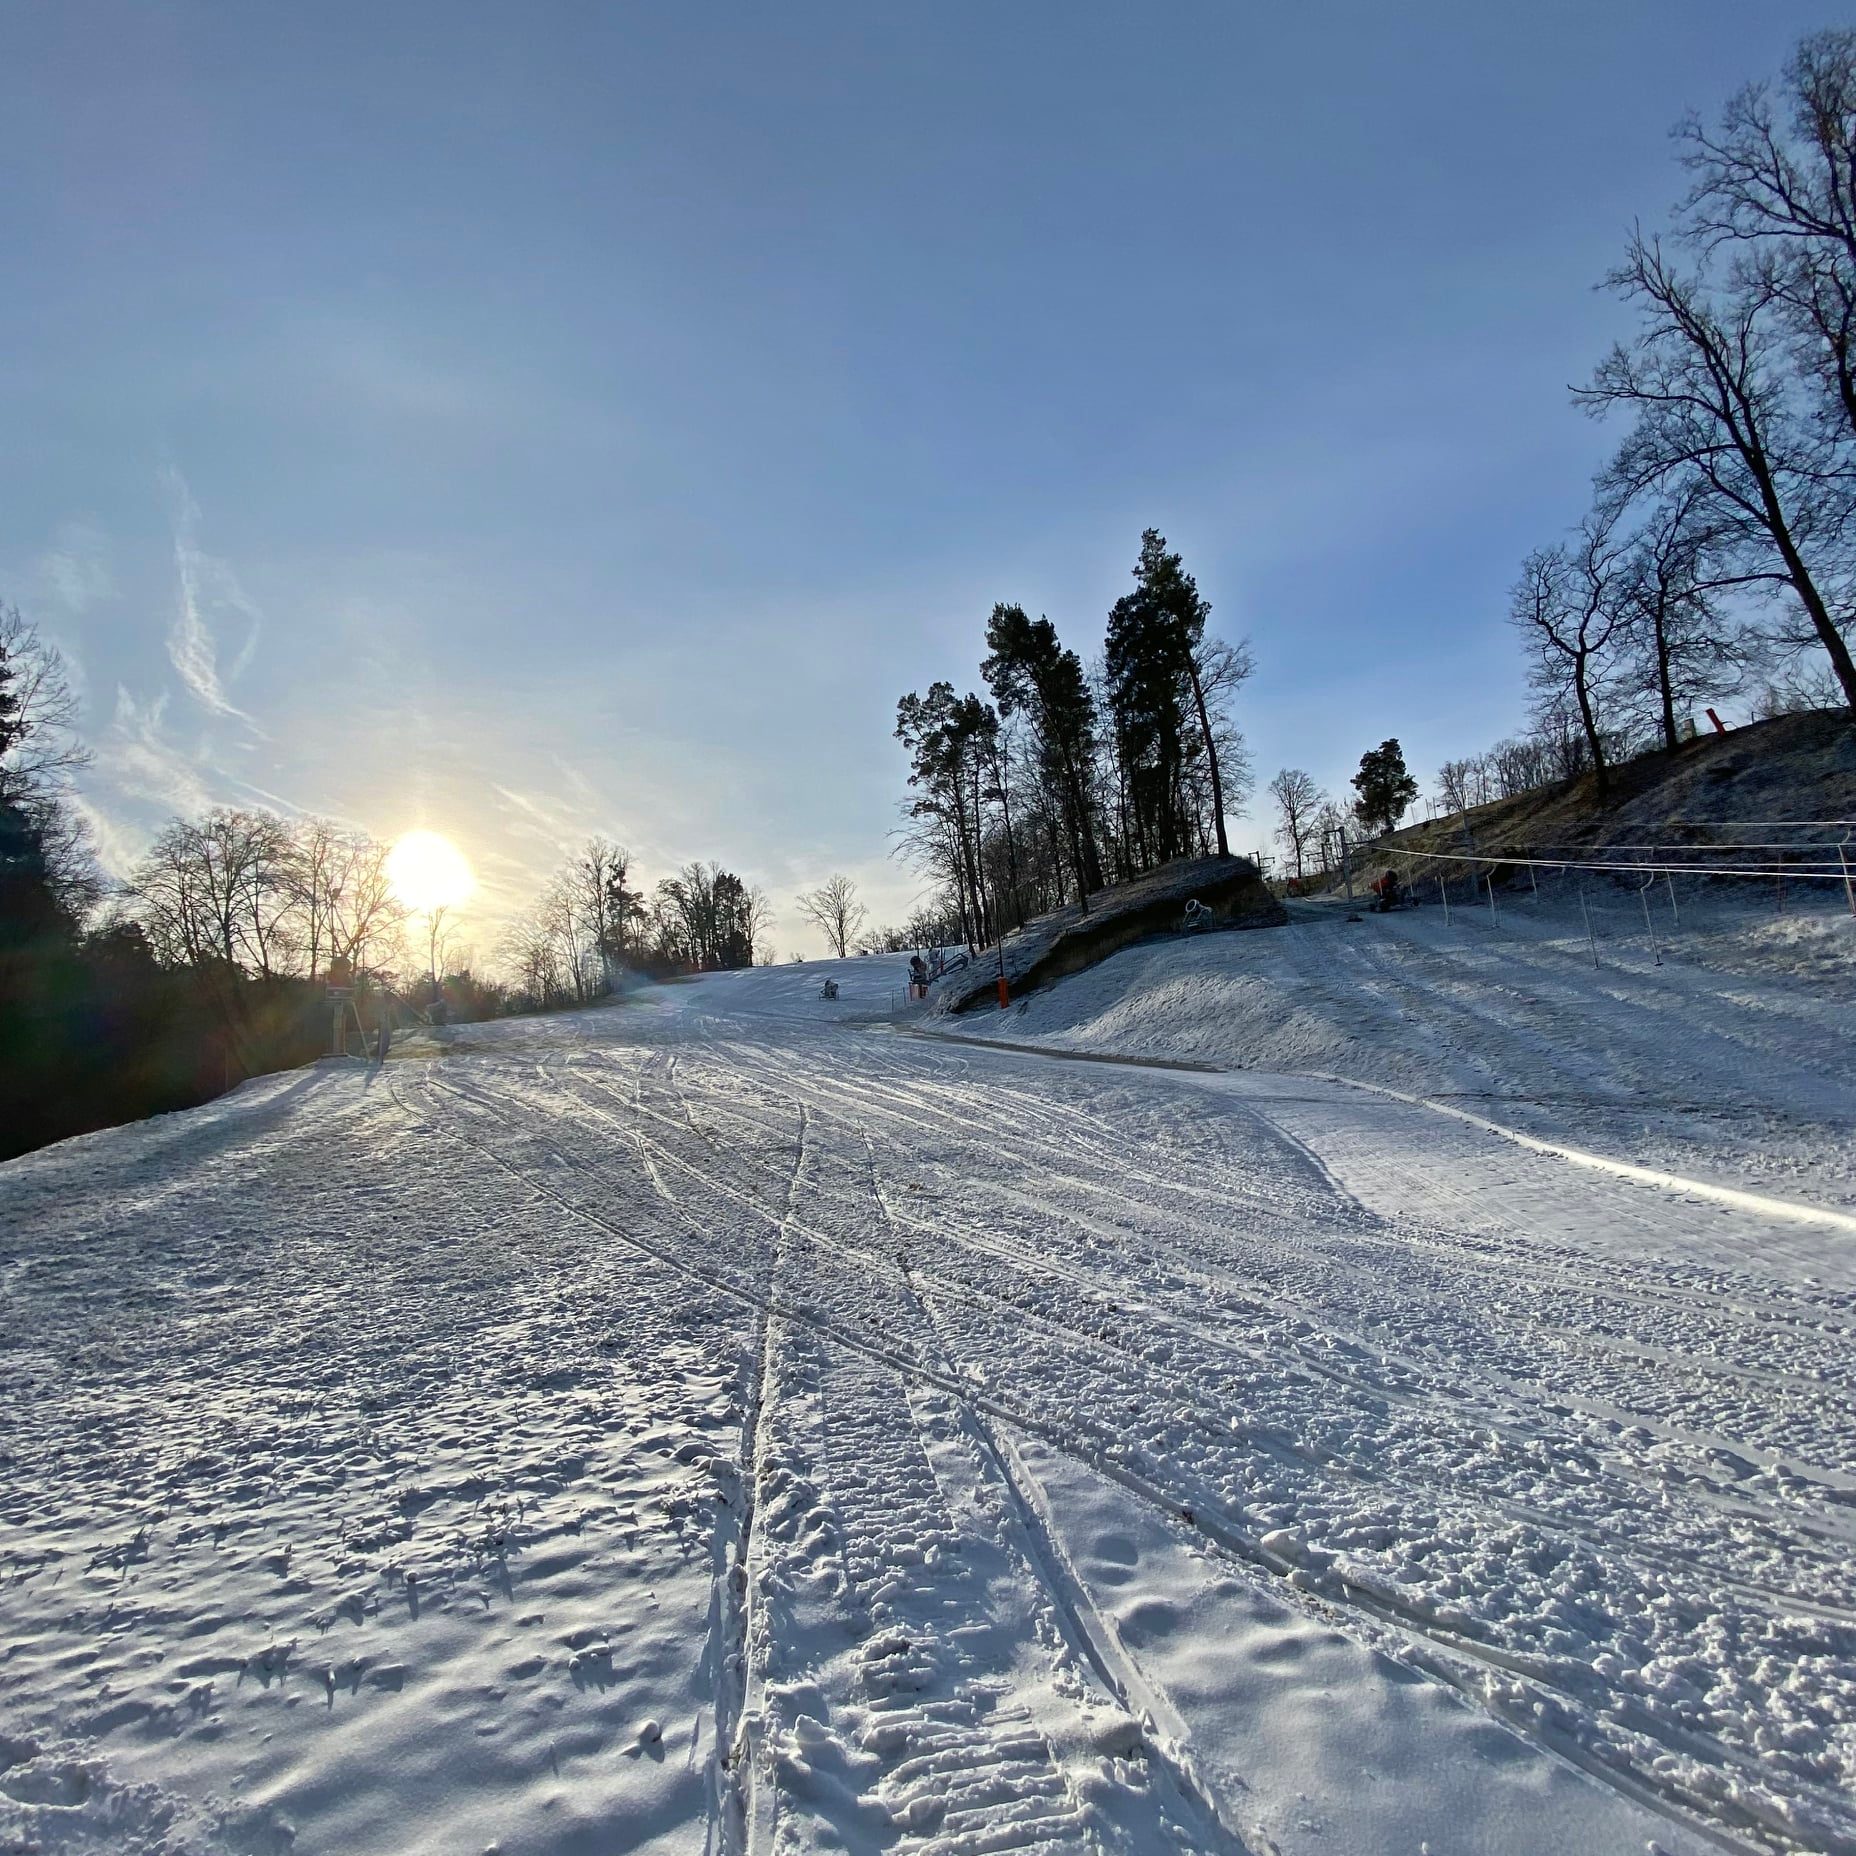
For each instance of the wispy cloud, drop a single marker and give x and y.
(74, 572)
(144, 764)
(209, 591)
(118, 846)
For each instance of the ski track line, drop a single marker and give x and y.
(1132, 1363)
(1702, 1366)
(1091, 1634)
(1261, 1297)
(736, 1748)
(1444, 1654)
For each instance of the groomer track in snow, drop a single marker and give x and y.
(719, 1423)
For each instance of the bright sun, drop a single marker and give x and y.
(428, 871)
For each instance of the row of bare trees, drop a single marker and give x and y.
(1721, 545)
(267, 896)
(590, 924)
(1071, 777)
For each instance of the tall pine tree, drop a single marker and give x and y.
(1385, 787)
(1164, 724)
(1031, 673)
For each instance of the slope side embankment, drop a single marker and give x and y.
(1068, 940)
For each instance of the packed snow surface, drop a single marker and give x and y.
(1708, 1036)
(726, 1422)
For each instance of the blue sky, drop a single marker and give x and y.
(528, 421)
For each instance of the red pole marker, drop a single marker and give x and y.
(1005, 998)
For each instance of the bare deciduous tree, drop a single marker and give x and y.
(1782, 198)
(39, 748)
(1708, 378)
(39, 754)
(834, 907)
(1569, 604)
(1681, 649)
(1298, 806)
(759, 926)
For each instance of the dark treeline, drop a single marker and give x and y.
(208, 967)
(1072, 777)
(212, 961)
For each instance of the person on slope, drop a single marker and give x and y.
(1387, 893)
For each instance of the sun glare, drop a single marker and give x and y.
(428, 871)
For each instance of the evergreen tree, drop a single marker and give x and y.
(1165, 727)
(1385, 787)
(1029, 672)
(941, 732)
(734, 932)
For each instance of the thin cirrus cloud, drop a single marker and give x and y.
(139, 758)
(162, 750)
(209, 592)
(74, 572)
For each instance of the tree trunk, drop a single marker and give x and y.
(1077, 826)
(1211, 755)
(1826, 627)
(1601, 774)
(1753, 453)
(1003, 768)
(1664, 686)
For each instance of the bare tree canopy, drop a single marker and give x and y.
(39, 747)
(1741, 378)
(1569, 604)
(252, 893)
(835, 910)
(1298, 808)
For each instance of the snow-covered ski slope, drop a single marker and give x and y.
(726, 1422)
(1732, 1060)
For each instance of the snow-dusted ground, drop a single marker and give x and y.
(726, 1423)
